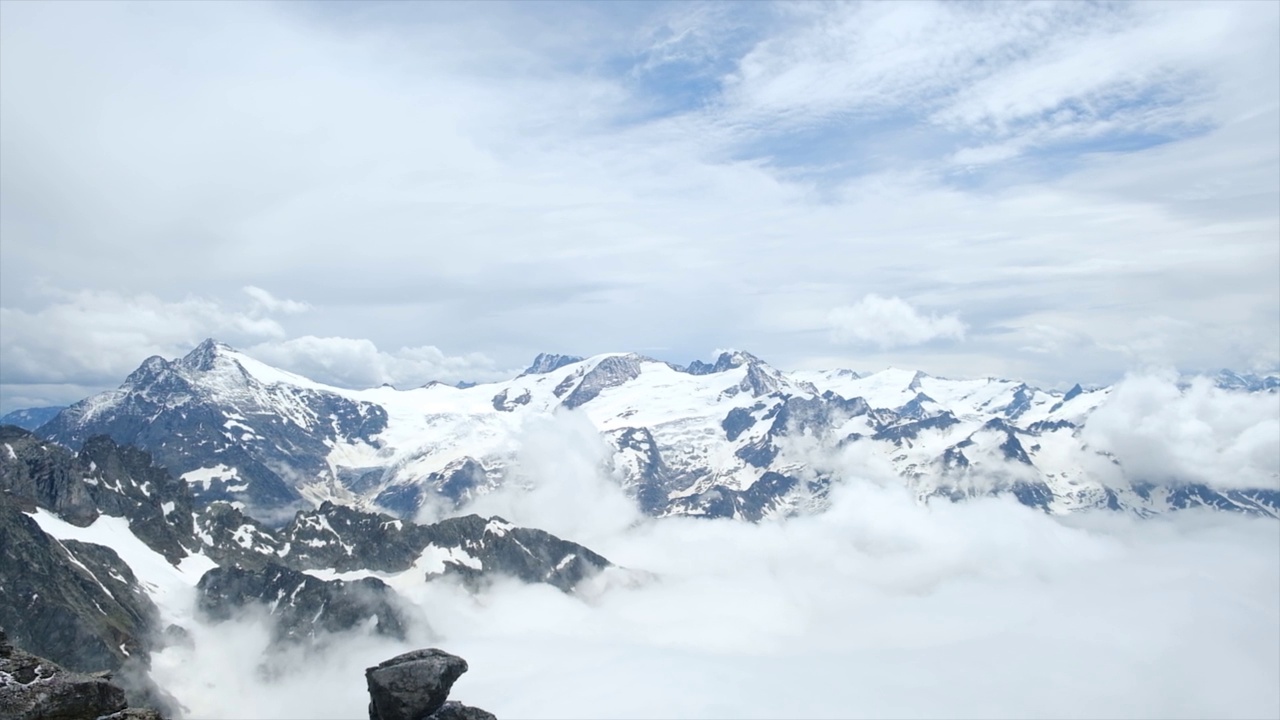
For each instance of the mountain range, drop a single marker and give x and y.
(214, 482)
(734, 438)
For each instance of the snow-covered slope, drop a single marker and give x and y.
(737, 438)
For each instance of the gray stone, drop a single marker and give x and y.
(34, 688)
(412, 686)
(453, 710)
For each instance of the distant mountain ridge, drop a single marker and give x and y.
(734, 438)
(31, 418)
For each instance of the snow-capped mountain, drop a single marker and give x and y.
(733, 438)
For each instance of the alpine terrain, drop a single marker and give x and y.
(734, 438)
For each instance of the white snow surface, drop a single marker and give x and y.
(171, 588)
(204, 476)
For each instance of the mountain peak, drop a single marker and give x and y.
(205, 355)
(548, 362)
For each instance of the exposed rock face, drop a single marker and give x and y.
(77, 602)
(303, 606)
(547, 362)
(102, 479)
(609, 372)
(415, 686)
(498, 548)
(33, 688)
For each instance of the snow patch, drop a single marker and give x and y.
(205, 476)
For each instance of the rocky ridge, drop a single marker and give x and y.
(81, 604)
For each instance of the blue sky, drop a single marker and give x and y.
(1057, 192)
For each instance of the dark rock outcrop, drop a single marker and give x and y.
(548, 362)
(416, 685)
(76, 602)
(34, 688)
(608, 373)
(102, 479)
(302, 606)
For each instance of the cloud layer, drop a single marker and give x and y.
(1161, 433)
(881, 607)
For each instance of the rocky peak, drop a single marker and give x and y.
(205, 356)
(734, 359)
(147, 372)
(547, 362)
(610, 372)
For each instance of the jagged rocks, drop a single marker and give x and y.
(549, 362)
(416, 685)
(34, 688)
(102, 479)
(302, 606)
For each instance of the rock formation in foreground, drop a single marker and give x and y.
(415, 686)
(33, 688)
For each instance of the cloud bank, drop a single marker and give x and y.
(879, 607)
(1165, 434)
(890, 322)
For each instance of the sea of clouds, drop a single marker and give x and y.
(881, 606)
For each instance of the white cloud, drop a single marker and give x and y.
(358, 363)
(890, 322)
(97, 337)
(1164, 434)
(271, 304)
(557, 482)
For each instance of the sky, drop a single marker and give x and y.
(367, 193)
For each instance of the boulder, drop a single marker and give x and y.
(412, 686)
